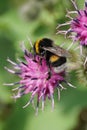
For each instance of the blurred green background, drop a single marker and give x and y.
(20, 19)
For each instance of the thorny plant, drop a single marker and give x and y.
(33, 71)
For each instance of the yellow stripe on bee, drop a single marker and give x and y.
(37, 46)
(53, 58)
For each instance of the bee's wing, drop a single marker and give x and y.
(57, 50)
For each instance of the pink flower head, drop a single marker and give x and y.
(36, 79)
(78, 24)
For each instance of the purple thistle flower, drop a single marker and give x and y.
(78, 24)
(34, 79)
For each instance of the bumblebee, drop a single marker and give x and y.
(55, 55)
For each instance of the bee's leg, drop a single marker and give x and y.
(34, 55)
(43, 54)
(49, 72)
(41, 61)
